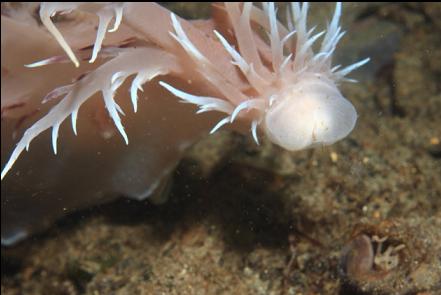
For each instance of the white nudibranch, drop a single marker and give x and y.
(292, 94)
(298, 104)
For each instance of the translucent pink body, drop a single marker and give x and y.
(277, 86)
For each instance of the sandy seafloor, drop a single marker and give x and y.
(247, 219)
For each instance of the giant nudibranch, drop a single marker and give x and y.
(273, 82)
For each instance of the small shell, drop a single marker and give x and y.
(393, 257)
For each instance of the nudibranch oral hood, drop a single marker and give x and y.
(274, 84)
(310, 112)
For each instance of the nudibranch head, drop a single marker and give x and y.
(309, 113)
(295, 100)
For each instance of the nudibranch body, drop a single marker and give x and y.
(274, 83)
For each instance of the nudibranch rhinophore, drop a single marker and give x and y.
(274, 84)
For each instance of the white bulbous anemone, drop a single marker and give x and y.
(298, 104)
(295, 99)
